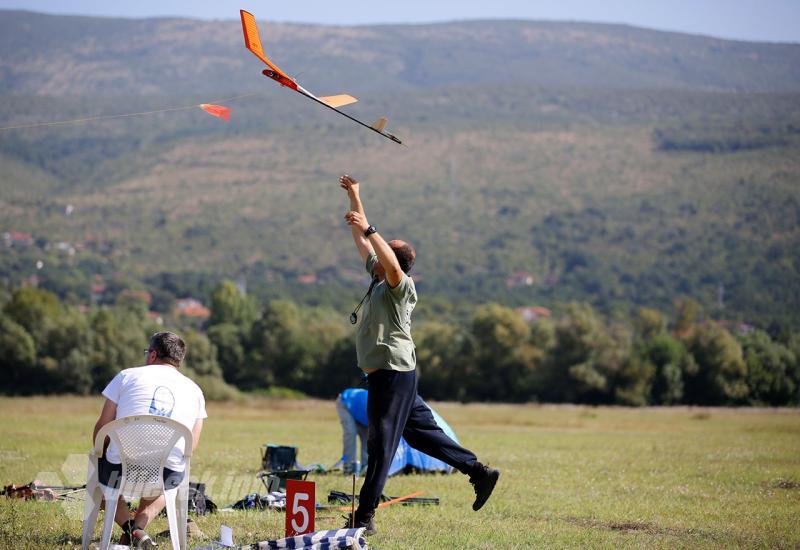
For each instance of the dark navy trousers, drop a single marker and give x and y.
(394, 409)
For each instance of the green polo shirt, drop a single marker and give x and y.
(383, 340)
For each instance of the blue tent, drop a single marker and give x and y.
(407, 457)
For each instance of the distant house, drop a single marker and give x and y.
(519, 278)
(17, 238)
(533, 313)
(142, 295)
(737, 327)
(98, 289)
(189, 307)
(155, 317)
(308, 279)
(66, 248)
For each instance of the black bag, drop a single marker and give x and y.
(252, 501)
(277, 458)
(199, 503)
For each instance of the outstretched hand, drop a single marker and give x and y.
(349, 184)
(356, 219)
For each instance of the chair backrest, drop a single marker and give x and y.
(144, 442)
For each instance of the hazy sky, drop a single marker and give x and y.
(764, 20)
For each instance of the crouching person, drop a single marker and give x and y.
(351, 405)
(157, 388)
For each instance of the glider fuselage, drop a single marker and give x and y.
(280, 79)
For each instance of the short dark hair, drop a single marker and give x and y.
(169, 347)
(405, 254)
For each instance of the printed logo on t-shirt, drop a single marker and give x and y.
(163, 402)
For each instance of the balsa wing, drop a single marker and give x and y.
(338, 100)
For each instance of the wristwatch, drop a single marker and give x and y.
(370, 230)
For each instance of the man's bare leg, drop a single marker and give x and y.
(122, 514)
(149, 508)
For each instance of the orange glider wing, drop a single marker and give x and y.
(217, 110)
(253, 43)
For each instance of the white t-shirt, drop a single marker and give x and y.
(160, 390)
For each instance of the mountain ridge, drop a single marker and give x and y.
(79, 55)
(411, 24)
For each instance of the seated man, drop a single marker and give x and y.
(352, 408)
(158, 388)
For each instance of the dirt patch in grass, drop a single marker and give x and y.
(637, 527)
(785, 484)
(633, 526)
(619, 525)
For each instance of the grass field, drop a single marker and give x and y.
(572, 476)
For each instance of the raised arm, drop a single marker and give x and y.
(362, 244)
(386, 257)
(357, 220)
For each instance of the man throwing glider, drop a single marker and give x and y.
(386, 354)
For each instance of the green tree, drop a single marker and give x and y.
(503, 359)
(228, 339)
(442, 364)
(662, 359)
(33, 309)
(228, 305)
(586, 358)
(19, 372)
(75, 372)
(340, 370)
(322, 330)
(200, 364)
(290, 345)
(721, 374)
(232, 317)
(119, 336)
(769, 370)
(671, 361)
(686, 311)
(634, 381)
(275, 348)
(649, 323)
(792, 343)
(201, 355)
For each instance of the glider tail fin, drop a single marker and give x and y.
(253, 42)
(380, 127)
(380, 124)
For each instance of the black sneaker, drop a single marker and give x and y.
(483, 482)
(369, 525)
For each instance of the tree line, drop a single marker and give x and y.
(492, 354)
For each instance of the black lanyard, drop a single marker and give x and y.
(354, 315)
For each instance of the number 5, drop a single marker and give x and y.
(300, 504)
(297, 508)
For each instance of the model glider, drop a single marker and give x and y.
(253, 43)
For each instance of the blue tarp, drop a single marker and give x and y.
(406, 455)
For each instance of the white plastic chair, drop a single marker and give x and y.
(144, 444)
